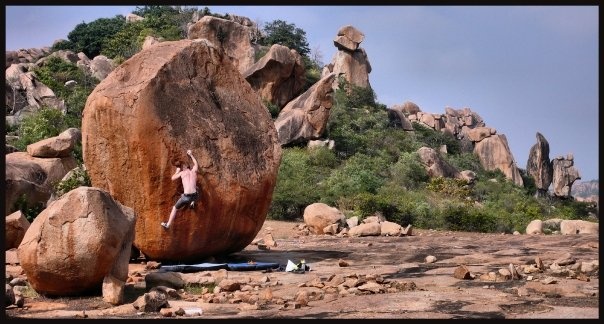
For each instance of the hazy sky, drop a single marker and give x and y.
(523, 69)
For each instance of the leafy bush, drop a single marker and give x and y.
(30, 211)
(464, 161)
(273, 109)
(78, 178)
(450, 188)
(367, 204)
(358, 174)
(408, 171)
(299, 175)
(434, 139)
(126, 42)
(54, 73)
(45, 123)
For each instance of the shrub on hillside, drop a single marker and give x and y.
(45, 123)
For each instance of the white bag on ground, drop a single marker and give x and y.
(290, 266)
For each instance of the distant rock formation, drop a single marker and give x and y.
(138, 121)
(305, 117)
(469, 128)
(350, 61)
(539, 165)
(586, 190)
(564, 175)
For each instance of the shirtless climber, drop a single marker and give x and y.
(189, 181)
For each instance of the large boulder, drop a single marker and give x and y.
(61, 145)
(317, 216)
(142, 118)
(354, 67)
(73, 244)
(494, 154)
(398, 118)
(348, 38)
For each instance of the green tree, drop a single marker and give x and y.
(90, 37)
(283, 33)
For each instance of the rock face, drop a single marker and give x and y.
(564, 174)
(144, 116)
(232, 37)
(539, 166)
(74, 243)
(305, 117)
(278, 76)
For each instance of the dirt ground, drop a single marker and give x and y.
(433, 292)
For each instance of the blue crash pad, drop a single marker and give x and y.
(244, 266)
(193, 267)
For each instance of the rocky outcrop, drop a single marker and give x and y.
(564, 174)
(436, 166)
(539, 165)
(494, 154)
(133, 18)
(350, 61)
(398, 118)
(141, 119)
(32, 178)
(24, 89)
(278, 76)
(230, 36)
(150, 41)
(30, 55)
(305, 117)
(469, 128)
(76, 242)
